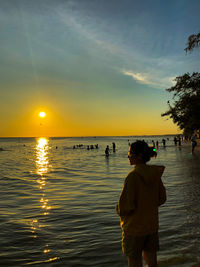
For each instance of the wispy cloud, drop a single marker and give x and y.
(151, 79)
(140, 77)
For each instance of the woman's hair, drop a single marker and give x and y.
(141, 147)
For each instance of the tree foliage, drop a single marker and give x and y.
(185, 110)
(193, 42)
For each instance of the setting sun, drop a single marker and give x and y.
(42, 114)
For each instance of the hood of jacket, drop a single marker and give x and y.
(149, 173)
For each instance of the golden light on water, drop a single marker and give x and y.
(42, 166)
(42, 149)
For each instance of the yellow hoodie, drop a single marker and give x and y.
(142, 194)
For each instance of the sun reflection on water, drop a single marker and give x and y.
(42, 167)
(42, 149)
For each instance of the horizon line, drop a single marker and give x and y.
(86, 136)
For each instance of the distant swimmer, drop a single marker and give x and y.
(175, 141)
(194, 142)
(153, 143)
(157, 144)
(107, 151)
(164, 142)
(114, 146)
(179, 140)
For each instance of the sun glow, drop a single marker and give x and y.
(42, 114)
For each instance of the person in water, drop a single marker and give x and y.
(114, 147)
(107, 151)
(164, 142)
(194, 142)
(142, 194)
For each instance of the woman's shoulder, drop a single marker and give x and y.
(159, 168)
(150, 170)
(132, 174)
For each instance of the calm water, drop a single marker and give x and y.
(58, 204)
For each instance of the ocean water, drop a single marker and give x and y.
(57, 203)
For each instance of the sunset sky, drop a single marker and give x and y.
(95, 67)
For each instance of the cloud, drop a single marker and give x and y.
(140, 77)
(150, 79)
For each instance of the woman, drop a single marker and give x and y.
(142, 194)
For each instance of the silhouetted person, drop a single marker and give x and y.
(175, 141)
(153, 143)
(107, 151)
(194, 142)
(96, 146)
(114, 147)
(142, 194)
(157, 144)
(179, 140)
(164, 142)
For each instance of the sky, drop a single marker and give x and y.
(95, 67)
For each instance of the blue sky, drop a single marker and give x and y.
(96, 67)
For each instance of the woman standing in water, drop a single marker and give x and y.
(142, 194)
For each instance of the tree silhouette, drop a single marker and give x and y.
(185, 110)
(193, 42)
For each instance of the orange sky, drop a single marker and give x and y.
(28, 123)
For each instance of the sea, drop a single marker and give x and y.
(58, 198)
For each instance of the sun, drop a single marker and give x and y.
(42, 114)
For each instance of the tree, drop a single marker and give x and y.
(185, 110)
(193, 42)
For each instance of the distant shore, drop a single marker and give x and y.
(90, 136)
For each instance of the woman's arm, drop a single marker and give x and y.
(126, 204)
